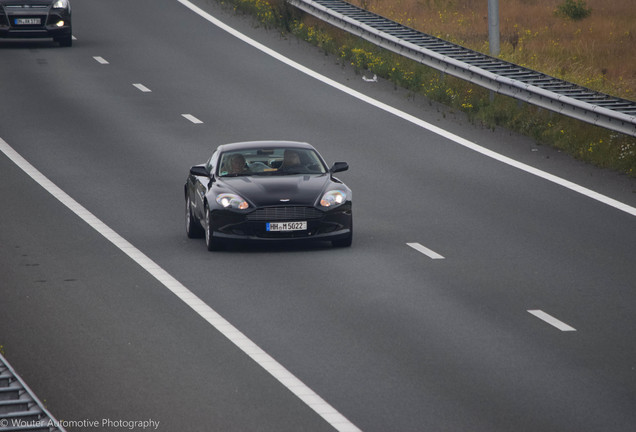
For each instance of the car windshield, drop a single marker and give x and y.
(270, 162)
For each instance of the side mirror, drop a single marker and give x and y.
(200, 171)
(339, 167)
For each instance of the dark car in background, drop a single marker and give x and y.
(36, 19)
(267, 191)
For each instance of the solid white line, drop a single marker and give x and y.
(192, 118)
(297, 387)
(100, 60)
(551, 320)
(410, 118)
(426, 251)
(143, 88)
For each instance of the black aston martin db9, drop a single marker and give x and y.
(36, 19)
(267, 190)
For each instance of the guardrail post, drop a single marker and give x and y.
(493, 27)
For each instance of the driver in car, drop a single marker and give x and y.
(291, 160)
(237, 164)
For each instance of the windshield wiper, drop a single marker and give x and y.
(237, 174)
(290, 172)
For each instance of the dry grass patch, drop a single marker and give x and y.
(598, 52)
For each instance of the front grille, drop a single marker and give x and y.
(284, 213)
(26, 7)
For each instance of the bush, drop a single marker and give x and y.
(575, 10)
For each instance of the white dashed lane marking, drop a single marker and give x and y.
(142, 88)
(551, 320)
(100, 60)
(426, 251)
(192, 118)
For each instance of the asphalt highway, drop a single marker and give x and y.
(477, 296)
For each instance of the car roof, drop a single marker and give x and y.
(263, 144)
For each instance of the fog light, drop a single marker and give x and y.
(60, 24)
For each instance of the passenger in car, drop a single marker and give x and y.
(237, 164)
(291, 160)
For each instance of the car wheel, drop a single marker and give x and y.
(210, 241)
(66, 41)
(193, 228)
(345, 242)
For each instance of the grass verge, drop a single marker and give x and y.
(595, 145)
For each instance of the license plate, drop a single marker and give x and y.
(27, 21)
(286, 226)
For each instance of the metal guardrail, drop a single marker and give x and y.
(494, 74)
(20, 409)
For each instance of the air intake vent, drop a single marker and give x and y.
(285, 213)
(26, 7)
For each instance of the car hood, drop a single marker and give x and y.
(263, 191)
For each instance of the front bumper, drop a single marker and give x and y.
(321, 225)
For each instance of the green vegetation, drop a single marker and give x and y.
(589, 143)
(576, 10)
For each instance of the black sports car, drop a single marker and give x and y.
(267, 190)
(36, 19)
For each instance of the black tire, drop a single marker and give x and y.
(345, 242)
(65, 41)
(212, 243)
(193, 227)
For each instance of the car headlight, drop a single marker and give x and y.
(333, 198)
(229, 200)
(60, 4)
